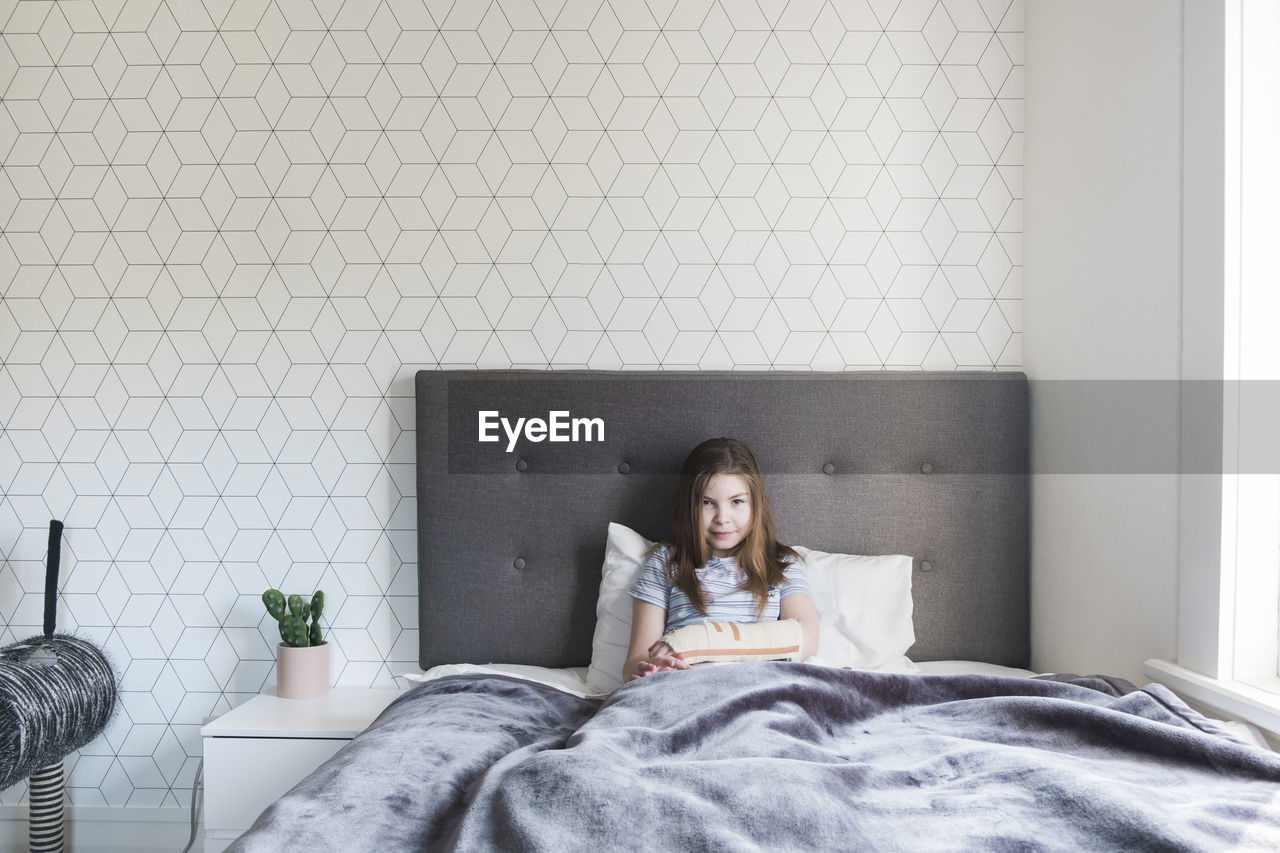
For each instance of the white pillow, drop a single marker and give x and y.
(864, 609)
(623, 558)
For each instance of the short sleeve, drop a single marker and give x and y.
(651, 584)
(796, 581)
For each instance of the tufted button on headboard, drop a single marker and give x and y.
(514, 464)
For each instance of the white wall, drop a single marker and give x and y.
(1103, 301)
(230, 233)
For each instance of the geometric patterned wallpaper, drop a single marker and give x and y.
(231, 230)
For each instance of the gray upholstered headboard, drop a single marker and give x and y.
(510, 542)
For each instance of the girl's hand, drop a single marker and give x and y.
(661, 659)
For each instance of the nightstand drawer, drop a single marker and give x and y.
(250, 773)
(257, 751)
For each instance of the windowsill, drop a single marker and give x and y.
(1237, 700)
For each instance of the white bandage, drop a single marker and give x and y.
(775, 639)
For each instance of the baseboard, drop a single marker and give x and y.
(102, 829)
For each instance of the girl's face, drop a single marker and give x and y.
(726, 513)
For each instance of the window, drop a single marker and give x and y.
(1229, 597)
(1251, 487)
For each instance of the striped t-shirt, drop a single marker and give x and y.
(721, 581)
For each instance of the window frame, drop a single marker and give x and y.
(1229, 538)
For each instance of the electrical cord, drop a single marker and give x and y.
(195, 786)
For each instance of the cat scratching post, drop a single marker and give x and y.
(57, 693)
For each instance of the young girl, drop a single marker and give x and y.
(723, 563)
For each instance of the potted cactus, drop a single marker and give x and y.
(302, 657)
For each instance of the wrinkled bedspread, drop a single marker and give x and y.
(776, 756)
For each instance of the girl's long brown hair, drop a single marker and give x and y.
(760, 556)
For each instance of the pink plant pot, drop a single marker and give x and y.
(302, 673)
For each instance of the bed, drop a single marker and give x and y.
(537, 495)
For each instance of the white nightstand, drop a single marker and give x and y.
(258, 751)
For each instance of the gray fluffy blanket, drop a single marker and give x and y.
(774, 756)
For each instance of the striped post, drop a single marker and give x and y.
(44, 793)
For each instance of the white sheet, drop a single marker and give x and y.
(970, 667)
(572, 681)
